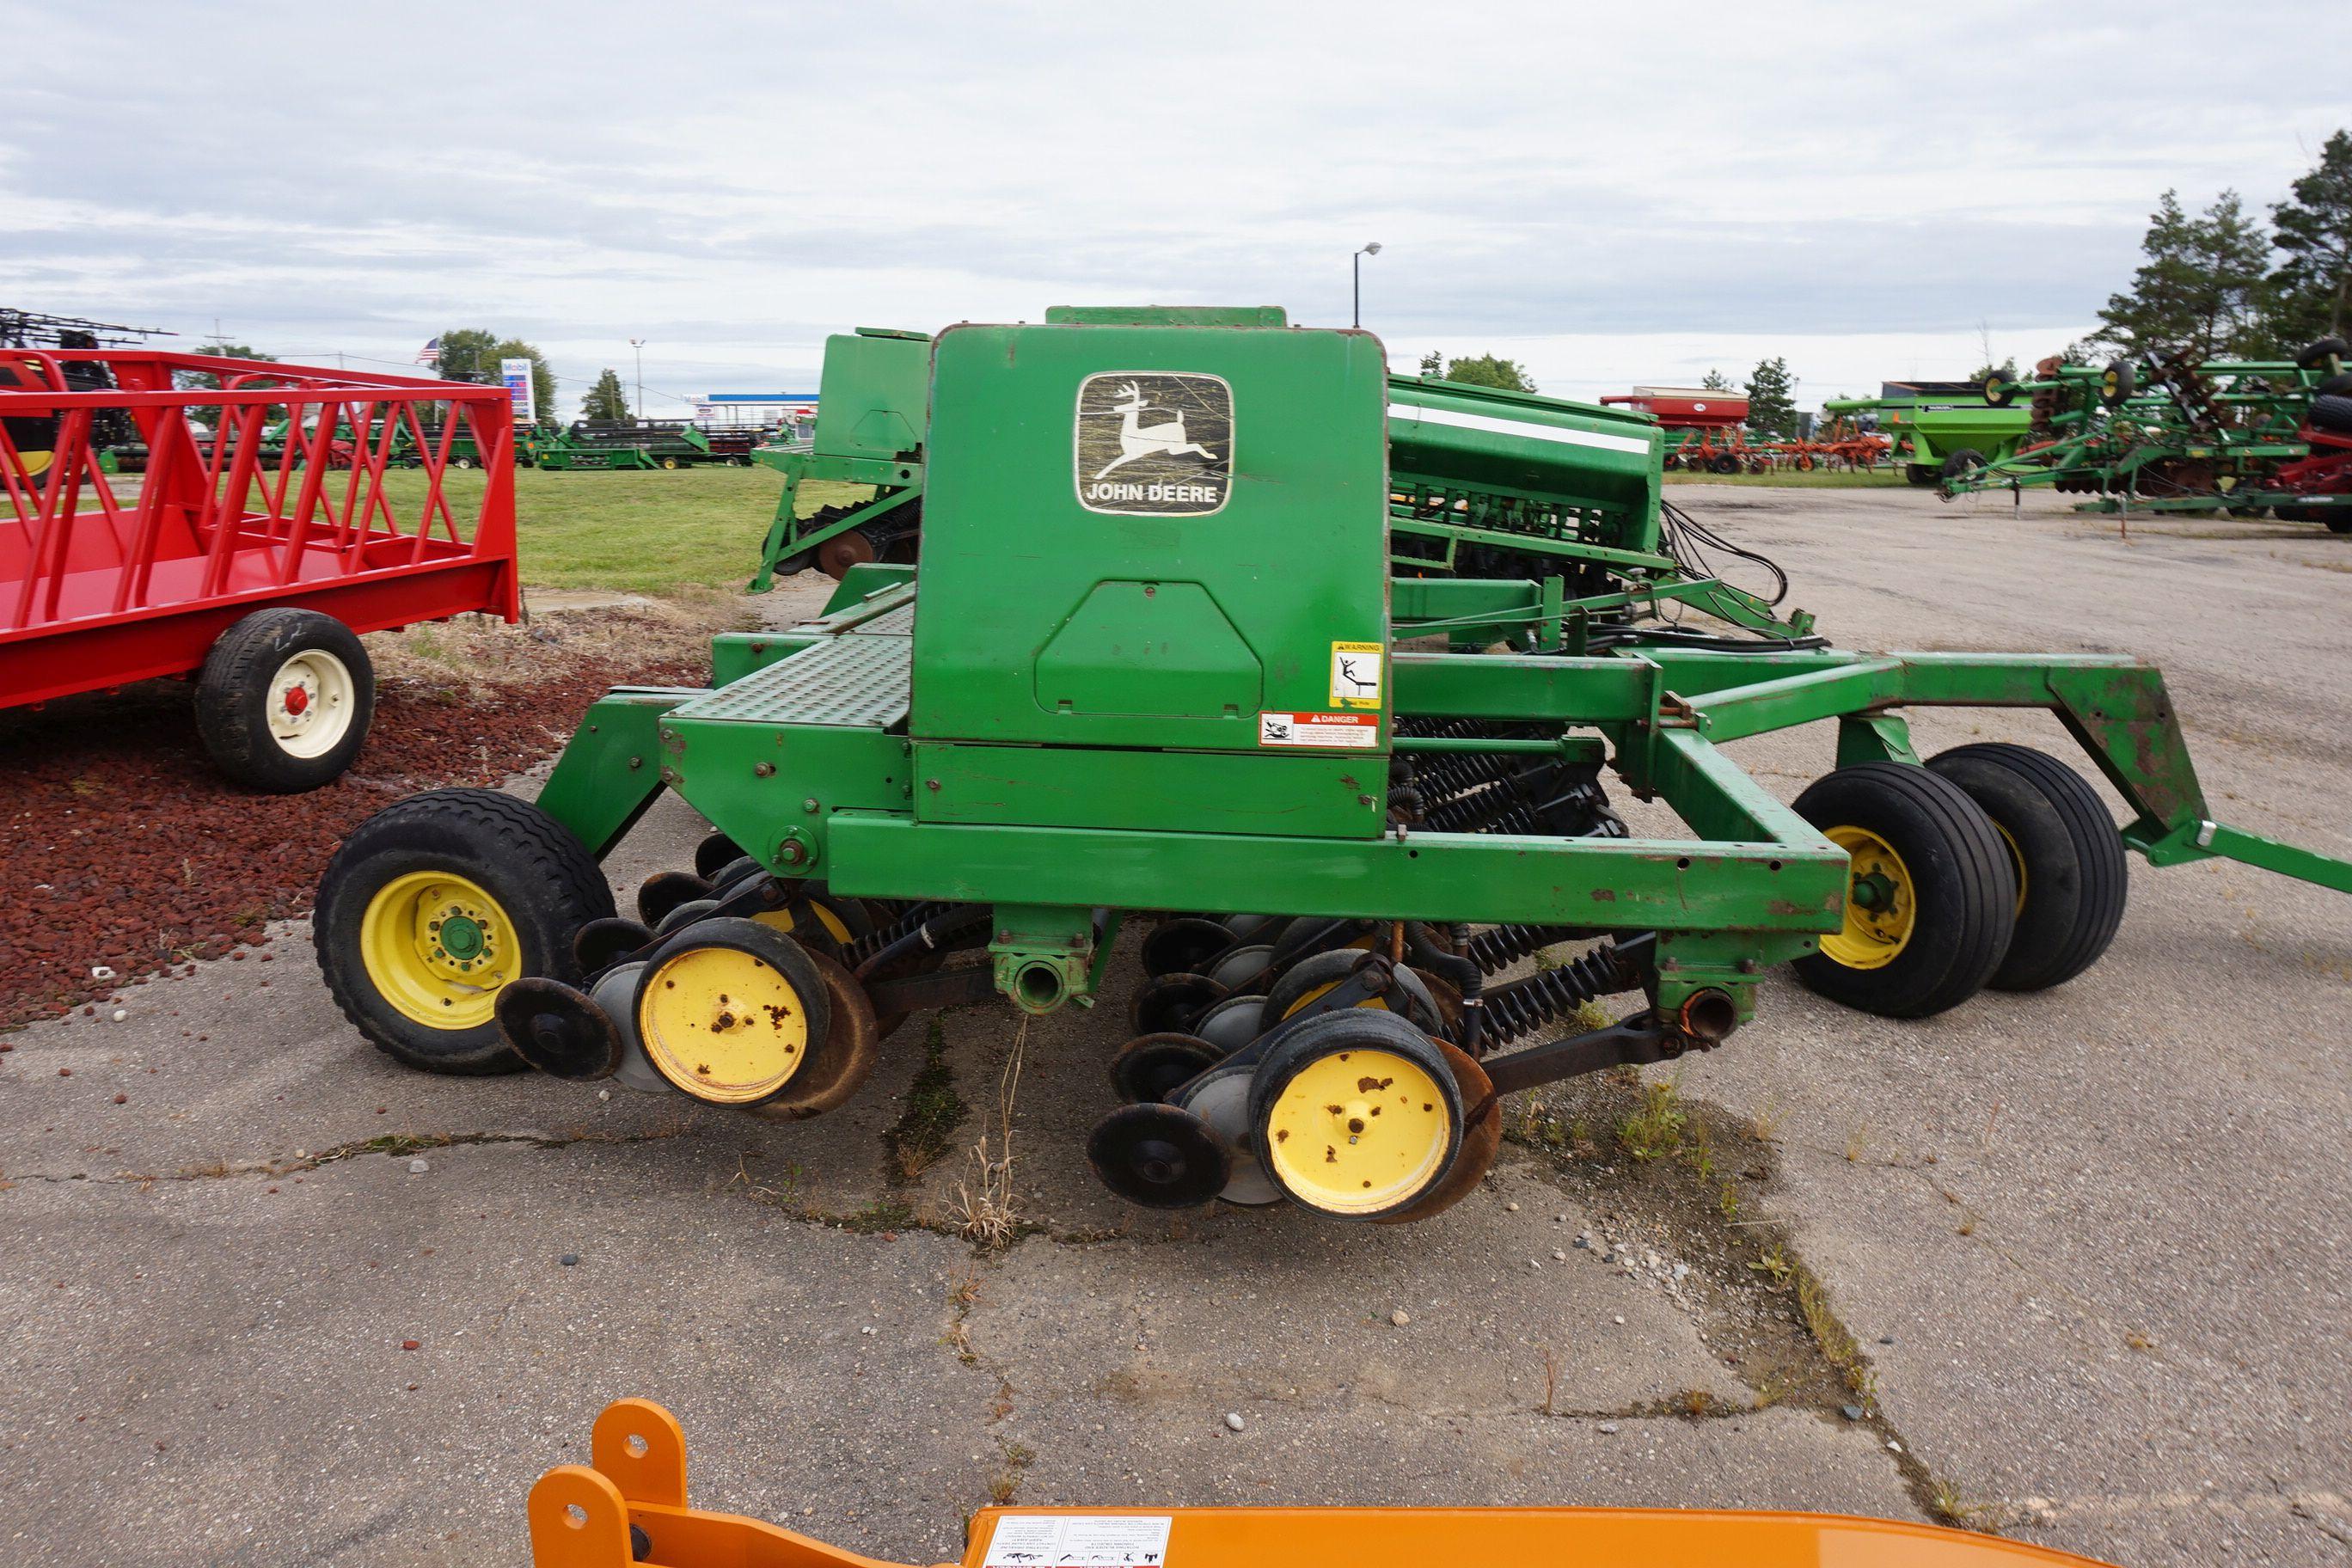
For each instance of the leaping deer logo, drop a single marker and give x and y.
(1137, 439)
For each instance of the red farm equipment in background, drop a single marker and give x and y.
(1706, 433)
(265, 533)
(1703, 427)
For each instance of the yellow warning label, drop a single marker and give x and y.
(1356, 674)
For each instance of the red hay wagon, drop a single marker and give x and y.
(262, 536)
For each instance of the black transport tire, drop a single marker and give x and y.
(544, 885)
(2074, 883)
(1919, 473)
(1961, 900)
(1963, 463)
(2331, 413)
(2336, 385)
(284, 701)
(2316, 354)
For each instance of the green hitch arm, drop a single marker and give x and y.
(611, 769)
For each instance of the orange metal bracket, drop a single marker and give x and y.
(582, 1518)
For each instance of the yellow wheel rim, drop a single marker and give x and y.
(35, 463)
(723, 1025)
(1359, 1132)
(2017, 863)
(439, 949)
(781, 919)
(1880, 901)
(1317, 995)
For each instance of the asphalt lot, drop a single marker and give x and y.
(2092, 1245)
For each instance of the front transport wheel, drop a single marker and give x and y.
(433, 904)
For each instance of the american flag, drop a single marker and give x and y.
(430, 353)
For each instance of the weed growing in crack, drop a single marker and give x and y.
(983, 1199)
(1005, 1484)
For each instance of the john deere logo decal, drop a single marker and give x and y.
(1155, 443)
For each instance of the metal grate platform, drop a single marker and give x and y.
(896, 623)
(859, 682)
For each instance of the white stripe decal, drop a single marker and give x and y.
(1524, 429)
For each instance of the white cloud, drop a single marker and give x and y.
(1612, 194)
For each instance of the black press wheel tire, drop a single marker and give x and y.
(284, 701)
(1954, 900)
(2074, 880)
(2336, 385)
(529, 886)
(1963, 463)
(2332, 413)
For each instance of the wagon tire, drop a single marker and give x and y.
(1931, 898)
(284, 701)
(2068, 857)
(1919, 473)
(1963, 463)
(516, 877)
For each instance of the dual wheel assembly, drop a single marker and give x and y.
(1994, 865)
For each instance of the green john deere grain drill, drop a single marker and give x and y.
(1154, 666)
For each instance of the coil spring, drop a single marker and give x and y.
(1496, 949)
(1519, 1009)
(1469, 812)
(866, 946)
(1440, 776)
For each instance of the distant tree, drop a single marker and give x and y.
(1715, 381)
(472, 353)
(1772, 399)
(2201, 287)
(608, 399)
(2310, 292)
(1486, 370)
(2006, 369)
(217, 348)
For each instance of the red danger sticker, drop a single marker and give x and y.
(1354, 732)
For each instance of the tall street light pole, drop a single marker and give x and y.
(1356, 263)
(639, 345)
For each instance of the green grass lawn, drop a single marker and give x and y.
(645, 532)
(1791, 479)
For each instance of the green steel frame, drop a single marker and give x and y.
(2162, 434)
(1073, 728)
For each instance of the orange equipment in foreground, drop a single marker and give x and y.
(586, 1518)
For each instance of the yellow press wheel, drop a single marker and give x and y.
(1357, 1113)
(729, 1010)
(1310, 979)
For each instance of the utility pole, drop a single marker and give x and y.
(639, 345)
(1356, 263)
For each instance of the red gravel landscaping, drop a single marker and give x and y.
(121, 848)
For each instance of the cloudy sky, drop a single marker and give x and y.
(1620, 193)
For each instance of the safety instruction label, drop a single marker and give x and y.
(1079, 1541)
(1354, 732)
(1356, 674)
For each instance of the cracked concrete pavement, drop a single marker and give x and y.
(2091, 1243)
